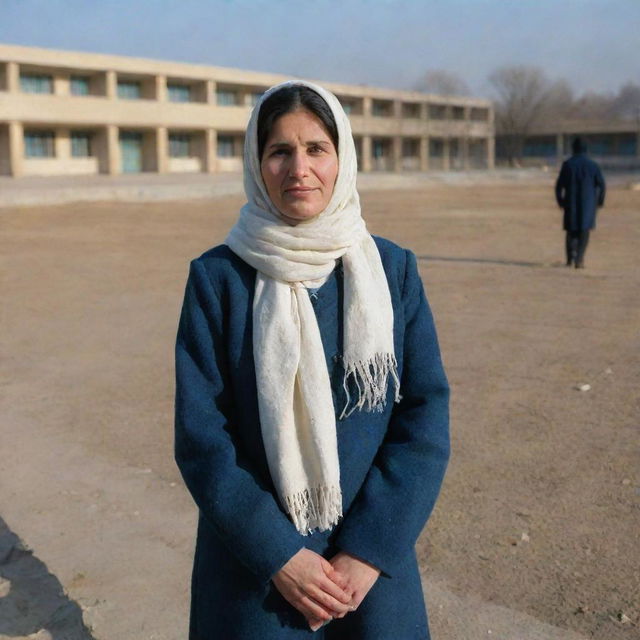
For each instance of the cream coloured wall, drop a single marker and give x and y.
(406, 113)
(185, 165)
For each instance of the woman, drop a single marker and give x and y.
(311, 402)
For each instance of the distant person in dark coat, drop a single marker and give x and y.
(580, 190)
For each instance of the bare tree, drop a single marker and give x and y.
(522, 94)
(626, 104)
(559, 103)
(443, 83)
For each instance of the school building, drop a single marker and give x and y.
(65, 113)
(615, 145)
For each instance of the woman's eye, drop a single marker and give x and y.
(316, 149)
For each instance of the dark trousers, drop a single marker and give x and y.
(576, 245)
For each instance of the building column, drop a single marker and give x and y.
(13, 77)
(491, 152)
(211, 151)
(61, 85)
(113, 150)
(16, 149)
(162, 150)
(161, 88)
(366, 106)
(210, 88)
(559, 148)
(424, 153)
(62, 144)
(396, 153)
(111, 85)
(366, 154)
(446, 156)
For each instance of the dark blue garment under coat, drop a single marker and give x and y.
(391, 463)
(580, 190)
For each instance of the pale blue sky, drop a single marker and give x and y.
(594, 44)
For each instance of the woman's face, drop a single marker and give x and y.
(299, 166)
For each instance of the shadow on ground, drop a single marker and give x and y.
(32, 600)
(511, 263)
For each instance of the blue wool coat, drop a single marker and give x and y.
(580, 190)
(391, 463)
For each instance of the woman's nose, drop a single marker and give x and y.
(299, 165)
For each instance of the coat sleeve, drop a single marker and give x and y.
(400, 490)
(600, 186)
(561, 186)
(229, 494)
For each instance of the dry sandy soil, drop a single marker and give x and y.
(540, 512)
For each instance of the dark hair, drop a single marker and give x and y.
(288, 99)
(578, 146)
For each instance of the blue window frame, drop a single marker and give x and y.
(129, 89)
(179, 93)
(39, 144)
(79, 85)
(80, 144)
(36, 83)
(179, 145)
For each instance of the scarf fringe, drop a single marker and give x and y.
(315, 508)
(371, 378)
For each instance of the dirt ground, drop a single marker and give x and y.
(540, 510)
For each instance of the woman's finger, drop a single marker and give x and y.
(325, 599)
(310, 609)
(337, 585)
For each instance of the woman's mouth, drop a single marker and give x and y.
(299, 191)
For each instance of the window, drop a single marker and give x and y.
(179, 93)
(381, 108)
(627, 146)
(410, 147)
(226, 98)
(436, 147)
(479, 115)
(32, 83)
(379, 148)
(437, 111)
(179, 145)
(411, 110)
(129, 90)
(39, 144)
(79, 85)
(225, 146)
(351, 106)
(80, 144)
(458, 113)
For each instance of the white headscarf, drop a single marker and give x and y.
(297, 415)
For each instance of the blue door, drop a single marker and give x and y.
(131, 151)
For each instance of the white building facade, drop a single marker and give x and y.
(65, 113)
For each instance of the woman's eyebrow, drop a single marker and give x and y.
(278, 144)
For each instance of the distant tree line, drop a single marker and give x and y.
(525, 98)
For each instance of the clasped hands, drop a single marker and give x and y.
(321, 589)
